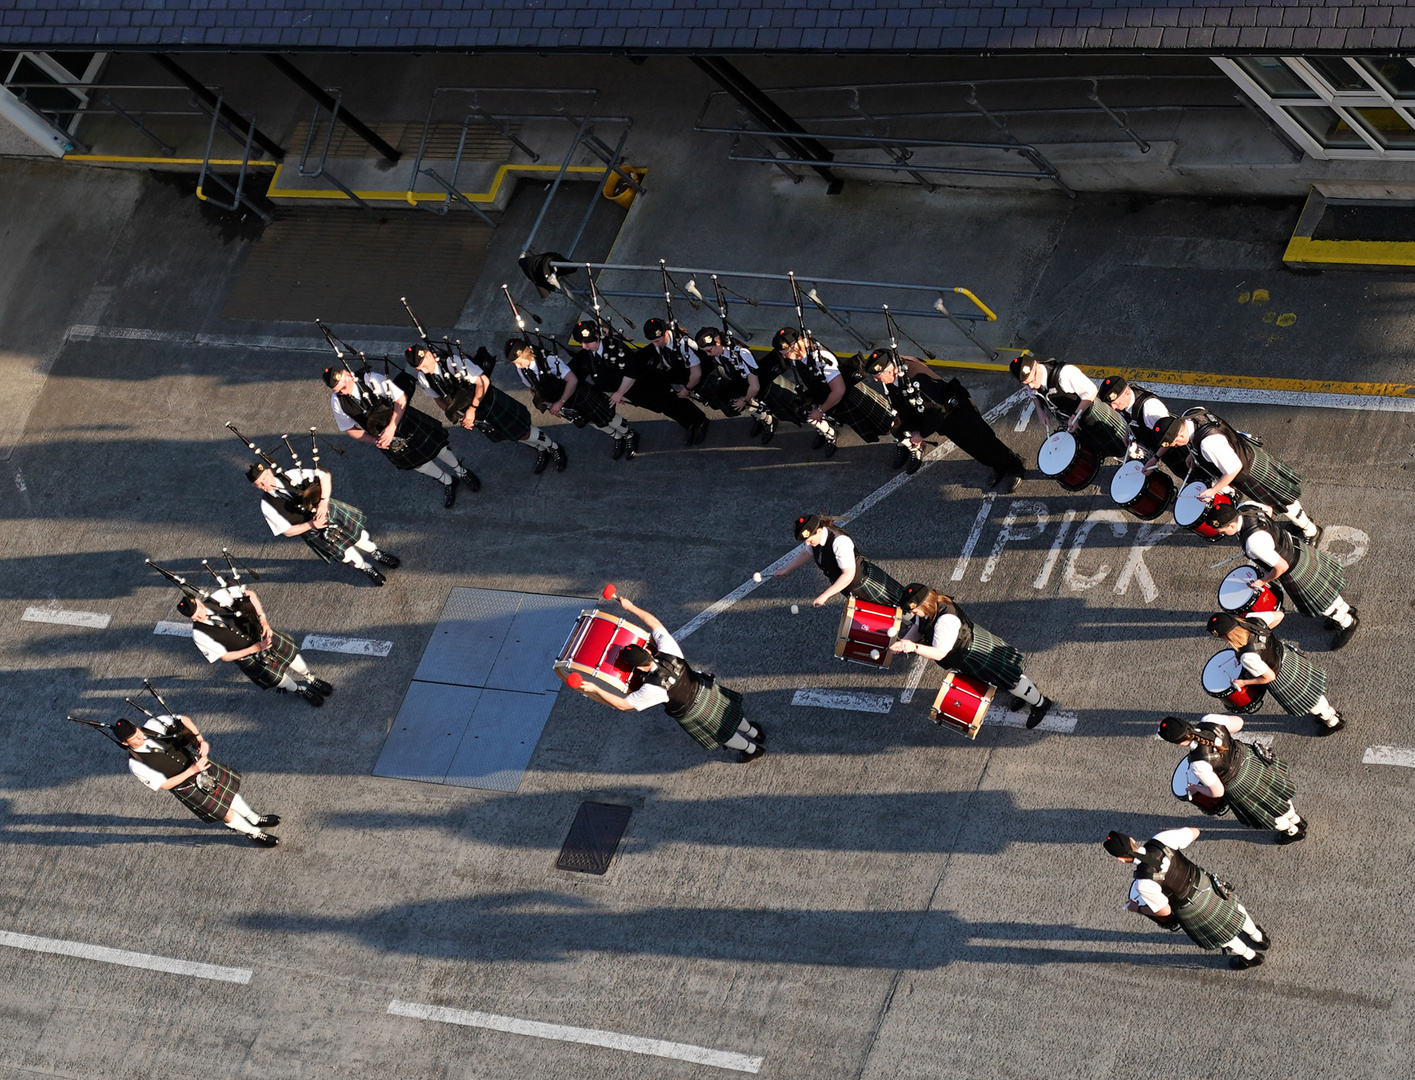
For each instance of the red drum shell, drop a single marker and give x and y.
(866, 632)
(1151, 493)
(1222, 668)
(1189, 510)
(1232, 598)
(592, 646)
(1180, 783)
(961, 704)
(1068, 461)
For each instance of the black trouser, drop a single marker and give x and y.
(657, 395)
(965, 427)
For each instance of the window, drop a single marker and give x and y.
(1275, 77)
(1327, 126)
(1395, 75)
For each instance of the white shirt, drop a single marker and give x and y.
(1220, 453)
(1147, 891)
(161, 725)
(1072, 380)
(1253, 665)
(824, 364)
(1261, 548)
(457, 365)
(946, 631)
(844, 550)
(372, 385)
(551, 365)
(210, 648)
(649, 695)
(1152, 412)
(278, 524)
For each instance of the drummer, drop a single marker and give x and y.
(943, 632)
(1142, 410)
(1296, 684)
(703, 707)
(841, 562)
(1064, 396)
(1313, 578)
(1252, 781)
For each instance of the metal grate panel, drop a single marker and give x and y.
(499, 740)
(594, 838)
(431, 724)
(533, 641)
(468, 637)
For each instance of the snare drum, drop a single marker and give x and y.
(1146, 495)
(1069, 462)
(1189, 510)
(866, 631)
(1235, 596)
(1204, 801)
(962, 703)
(1219, 673)
(594, 644)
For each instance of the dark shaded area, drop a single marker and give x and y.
(1356, 221)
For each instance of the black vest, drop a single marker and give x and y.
(965, 633)
(1179, 882)
(173, 756)
(1135, 415)
(1206, 424)
(812, 373)
(452, 388)
(1059, 401)
(670, 362)
(547, 386)
(1224, 757)
(287, 506)
(673, 674)
(825, 558)
(370, 412)
(237, 628)
(1265, 644)
(604, 369)
(1283, 541)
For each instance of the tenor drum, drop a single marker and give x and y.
(1180, 786)
(962, 703)
(594, 644)
(866, 632)
(1189, 510)
(1069, 462)
(1146, 495)
(1219, 673)
(1235, 595)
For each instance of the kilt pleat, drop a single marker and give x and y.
(1315, 581)
(781, 401)
(1259, 792)
(267, 668)
(991, 659)
(866, 411)
(426, 438)
(588, 407)
(346, 527)
(1299, 685)
(1210, 920)
(1104, 430)
(209, 795)
(714, 714)
(1268, 480)
(877, 587)
(502, 418)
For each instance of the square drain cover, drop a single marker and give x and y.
(594, 838)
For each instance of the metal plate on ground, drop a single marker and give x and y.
(468, 637)
(525, 663)
(499, 739)
(430, 726)
(594, 838)
(351, 266)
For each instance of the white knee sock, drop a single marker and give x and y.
(436, 471)
(739, 742)
(1236, 947)
(241, 825)
(747, 728)
(353, 557)
(617, 428)
(364, 543)
(1295, 514)
(299, 666)
(823, 427)
(243, 809)
(1027, 691)
(1323, 710)
(1339, 612)
(287, 683)
(538, 440)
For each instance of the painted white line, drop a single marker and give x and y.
(1247, 396)
(1057, 720)
(127, 959)
(354, 646)
(1389, 755)
(220, 341)
(173, 629)
(700, 1055)
(704, 617)
(961, 566)
(1049, 564)
(839, 699)
(67, 618)
(921, 664)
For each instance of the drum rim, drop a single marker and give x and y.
(1251, 596)
(1125, 470)
(1209, 663)
(1174, 780)
(1053, 442)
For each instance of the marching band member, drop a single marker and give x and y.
(1232, 459)
(1170, 889)
(833, 397)
(841, 562)
(333, 529)
(1142, 410)
(942, 632)
(168, 753)
(1065, 397)
(463, 391)
(230, 624)
(568, 390)
(926, 405)
(1250, 779)
(734, 386)
(674, 359)
(372, 408)
(614, 367)
(1312, 578)
(1296, 684)
(703, 707)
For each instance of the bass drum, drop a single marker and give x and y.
(1219, 673)
(1069, 462)
(1179, 785)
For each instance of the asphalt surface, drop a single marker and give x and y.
(877, 898)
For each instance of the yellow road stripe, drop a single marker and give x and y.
(1352, 252)
(277, 192)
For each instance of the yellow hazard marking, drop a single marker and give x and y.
(1244, 297)
(1260, 296)
(277, 192)
(1303, 249)
(1287, 318)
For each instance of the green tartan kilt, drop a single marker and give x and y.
(502, 418)
(714, 714)
(1299, 685)
(267, 668)
(1210, 921)
(876, 586)
(781, 401)
(209, 795)
(1104, 430)
(1259, 792)
(866, 411)
(586, 406)
(1315, 581)
(346, 528)
(1268, 480)
(426, 438)
(990, 659)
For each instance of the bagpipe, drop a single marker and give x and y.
(456, 392)
(539, 351)
(240, 612)
(306, 494)
(373, 419)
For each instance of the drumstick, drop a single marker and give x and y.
(610, 592)
(1223, 562)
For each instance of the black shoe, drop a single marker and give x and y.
(1343, 635)
(449, 493)
(994, 478)
(542, 460)
(830, 448)
(388, 559)
(1036, 714)
(620, 445)
(916, 462)
(901, 455)
(770, 430)
(470, 479)
(744, 756)
(755, 429)
(1323, 728)
(267, 821)
(1292, 838)
(760, 736)
(1018, 704)
(818, 442)
(372, 574)
(690, 435)
(1240, 963)
(310, 694)
(322, 688)
(633, 447)
(1265, 944)
(560, 457)
(1011, 483)
(264, 839)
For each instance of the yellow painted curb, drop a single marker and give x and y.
(1303, 249)
(277, 192)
